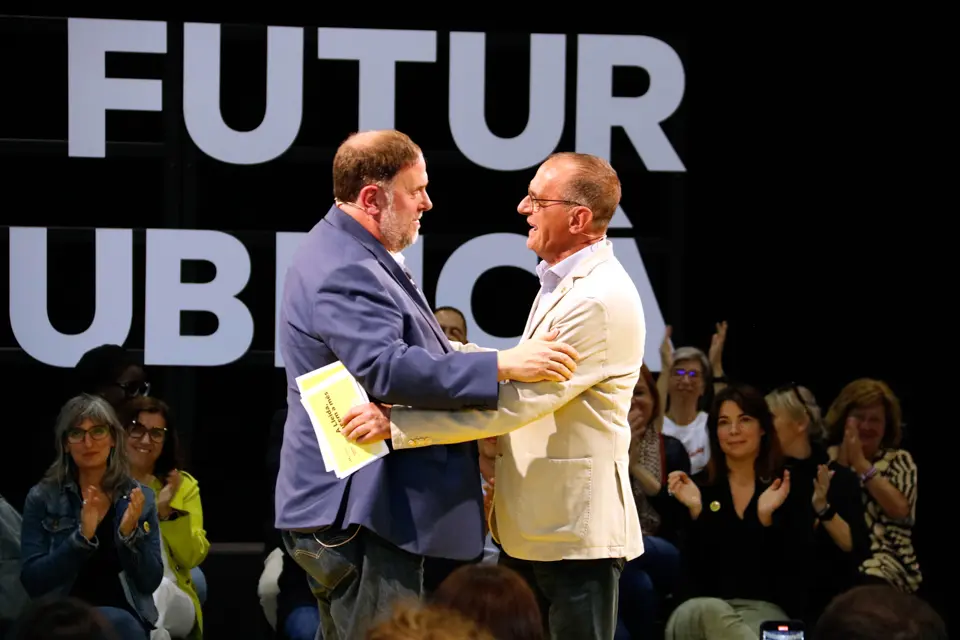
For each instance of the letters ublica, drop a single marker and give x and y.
(166, 295)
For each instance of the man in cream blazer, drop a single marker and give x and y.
(563, 510)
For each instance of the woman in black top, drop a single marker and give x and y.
(827, 497)
(739, 528)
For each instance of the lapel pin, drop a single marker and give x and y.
(714, 506)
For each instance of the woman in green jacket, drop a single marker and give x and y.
(154, 462)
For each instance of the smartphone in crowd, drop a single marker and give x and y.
(782, 630)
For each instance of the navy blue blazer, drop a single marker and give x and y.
(346, 298)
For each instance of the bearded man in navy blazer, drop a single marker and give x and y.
(348, 297)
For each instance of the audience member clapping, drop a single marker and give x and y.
(827, 496)
(863, 425)
(89, 529)
(155, 462)
(646, 581)
(738, 536)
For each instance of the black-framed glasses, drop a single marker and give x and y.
(134, 389)
(76, 435)
(137, 430)
(538, 203)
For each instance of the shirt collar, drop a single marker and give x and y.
(398, 257)
(550, 277)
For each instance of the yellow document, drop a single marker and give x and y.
(327, 394)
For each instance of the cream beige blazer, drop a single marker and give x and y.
(562, 480)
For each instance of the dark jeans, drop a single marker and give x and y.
(578, 598)
(356, 576)
(645, 582)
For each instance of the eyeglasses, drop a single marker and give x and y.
(136, 430)
(134, 389)
(538, 203)
(686, 373)
(76, 435)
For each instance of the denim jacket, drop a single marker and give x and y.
(53, 549)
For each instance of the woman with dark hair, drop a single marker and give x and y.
(648, 579)
(89, 529)
(109, 371)
(494, 597)
(738, 538)
(153, 449)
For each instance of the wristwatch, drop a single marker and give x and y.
(827, 514)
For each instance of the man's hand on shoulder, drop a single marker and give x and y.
(366, 423)
(537, 360)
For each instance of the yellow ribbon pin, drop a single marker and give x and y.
(146, 526)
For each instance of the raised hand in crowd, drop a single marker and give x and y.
(92, 511)
(167, 493)
(773, 498)
(666, 350)
(131, 515)
(715, 354)
(681, 487)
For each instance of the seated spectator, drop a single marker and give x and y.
(685, 386)
(647, 580)
(109, 371)
(416, 622)
(13, 597)
(494, 597)
(878, 612)
(739, 539)
(863, 425)
(155, 462)
(62, 619)
(89, 529)
(827, 495)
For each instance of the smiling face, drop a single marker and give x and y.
(89, 444)
(145, 439)
(739, 434)
(553, 227)
(871, 423)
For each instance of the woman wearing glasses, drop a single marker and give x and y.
(152, 447)
(89, 530)
(685, 389)
(828, 497)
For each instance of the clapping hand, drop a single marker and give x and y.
(821, 485)
(681, 487)
(167, 493)
(131, 517)
(773, 498)
(92, 511)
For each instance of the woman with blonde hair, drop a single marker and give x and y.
(864, 428)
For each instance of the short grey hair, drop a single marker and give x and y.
(692, 353)
(73, 413)
(799, 407)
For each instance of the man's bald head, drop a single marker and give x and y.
(371, 157)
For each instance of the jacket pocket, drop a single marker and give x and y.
(555, 502)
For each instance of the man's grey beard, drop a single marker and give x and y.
(395, 238)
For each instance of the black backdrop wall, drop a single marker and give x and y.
(775, 224)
